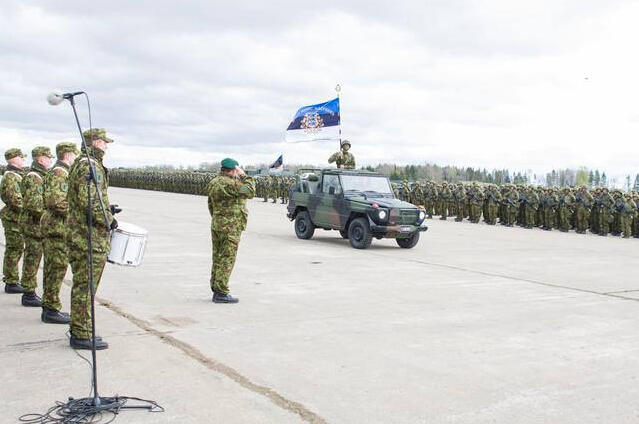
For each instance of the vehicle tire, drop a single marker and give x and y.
(304, 227)
(359, 233)
(410, 242)
(344, 234)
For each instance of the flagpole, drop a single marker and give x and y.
(338, 88)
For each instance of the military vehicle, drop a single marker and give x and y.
(359, 204)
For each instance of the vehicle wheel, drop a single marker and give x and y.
(359, 233)
(343, 233)
(304, 227)
(410, 242)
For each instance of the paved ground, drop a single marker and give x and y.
(477, 324)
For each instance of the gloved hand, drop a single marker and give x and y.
(115, 209)
(114, 224)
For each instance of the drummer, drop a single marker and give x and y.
(103, 222)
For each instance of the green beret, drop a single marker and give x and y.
(13, 153)
(41, 151)
(96, 134)
(229, 163)
(65, 147)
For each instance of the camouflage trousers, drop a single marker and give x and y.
(530, 212)
(625, 225)
(31, 262)
(474, 212)
(224, 249)
(605, 218)
(564, 218)
(493, 211)
(56, 262)
(80, 292)
(14, 246)
(549, 217)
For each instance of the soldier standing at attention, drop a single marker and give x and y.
(96, 142)
(11, 194)
(54, 230)
(227, 194)
(343, 158)
(33, 198)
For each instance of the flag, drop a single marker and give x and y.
(279, 163)
(315, 122)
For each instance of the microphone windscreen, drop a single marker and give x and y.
(55, 97)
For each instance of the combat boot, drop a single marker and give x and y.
(31, 300)
(87, 344)
(224, 298)
(13, 288)
(51, 316)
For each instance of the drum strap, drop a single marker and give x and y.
(61, 168)
(14, 173)
(34, 173)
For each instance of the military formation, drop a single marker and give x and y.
(598, 210)
(175, 181)
(274, 187)
(45, 220)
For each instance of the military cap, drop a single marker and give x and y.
(343, 142)
(14, 152)
(41, 151)
(65, 147)
(96, 134)
(229, 163)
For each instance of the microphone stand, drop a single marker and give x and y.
(90, 178)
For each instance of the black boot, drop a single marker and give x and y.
(13, 288)
(31, 300)
(86, 344)
(224, 298)
(51, 316)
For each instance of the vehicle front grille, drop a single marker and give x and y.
(408, 216)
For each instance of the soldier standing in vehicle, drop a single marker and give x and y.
(33, 197)
(11, 194)
(227, 195)
(343, 158)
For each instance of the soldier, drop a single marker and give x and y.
(510, 202)
(430, 198)
(475, 201)
(11, 194)
(605, 208)
(96, 143)
(565, 210)
(445, 198)
(54, 230)
(584, 201)
(459, 195)
(227, 195)
(343, 158)
(493, 200)
(530, 211)
(33, 198)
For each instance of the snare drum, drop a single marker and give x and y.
(128, 242)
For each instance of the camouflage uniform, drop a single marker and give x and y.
(584, 201)
(343, 158)
(33, 198)
(227, 205)
(565, 210)
(54, 228)
(78, 228)
(11, 194)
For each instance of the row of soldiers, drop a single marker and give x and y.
(182, 181)
(274, 187)
(600, 210)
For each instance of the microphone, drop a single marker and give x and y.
(56, 97)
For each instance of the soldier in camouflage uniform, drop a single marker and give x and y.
(11, 193)
(583, 202)
(227, 195)
(459, 195)
(445, 199)
(606, 205)
(430, 198)
(103, 222)
(510, 203)
(565, 210)
(491, 207)
(33, 199)
(343, 158)
(54, 231)
(475, 202)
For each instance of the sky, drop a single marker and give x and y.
(497, 84)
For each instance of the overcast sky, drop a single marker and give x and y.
(518, 84)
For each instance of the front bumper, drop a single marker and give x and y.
(396, 231)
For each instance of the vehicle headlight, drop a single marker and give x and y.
(422, 215)
(382, 214)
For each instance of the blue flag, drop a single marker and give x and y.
(315, 122)
(279, 162)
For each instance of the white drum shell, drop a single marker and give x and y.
(128, 243)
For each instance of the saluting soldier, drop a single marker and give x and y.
(103, 221)
(227, 195)
(33, 197)
(11, 194)
(54, 231)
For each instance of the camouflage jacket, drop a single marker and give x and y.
(343, 159)
(55, 201)
(33, 199)
(227, 202)
(77, 197)
(11, 194)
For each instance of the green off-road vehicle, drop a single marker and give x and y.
(359, 204)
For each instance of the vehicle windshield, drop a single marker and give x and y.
(367, 185)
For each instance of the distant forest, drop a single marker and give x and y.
(430, 171)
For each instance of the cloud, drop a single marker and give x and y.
(481, 83)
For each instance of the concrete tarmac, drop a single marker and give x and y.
(476, 324)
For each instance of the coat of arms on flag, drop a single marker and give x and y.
(315, 122)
